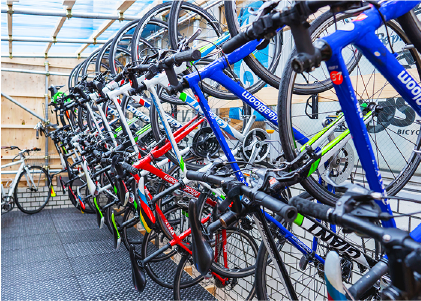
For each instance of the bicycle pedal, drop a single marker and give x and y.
(208, 275)
(303, 262)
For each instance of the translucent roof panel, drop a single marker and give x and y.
(34, 26)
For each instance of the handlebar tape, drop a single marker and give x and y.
(307, 207)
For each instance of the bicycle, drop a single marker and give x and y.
(35, 179)
(310, 58)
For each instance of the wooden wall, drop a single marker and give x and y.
(17, 125)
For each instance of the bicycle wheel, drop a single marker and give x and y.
(234, 281)
(36, 182)
(185, 19)
(307, 275)
(393, 132)
(70, 81)
(263, 62)
(119, 49)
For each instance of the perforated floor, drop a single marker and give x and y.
(61, 254)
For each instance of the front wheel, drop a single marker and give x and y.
(36, 187)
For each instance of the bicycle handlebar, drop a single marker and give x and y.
(328, 214)
(288, 212)
(266, 26)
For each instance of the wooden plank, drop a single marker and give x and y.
(211, 289)
(17, 126)
(125, 5)
(31, 61)
(9, 27)
(189, 270)
(69, 3)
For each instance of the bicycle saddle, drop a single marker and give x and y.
(54, 89)
(202, 252)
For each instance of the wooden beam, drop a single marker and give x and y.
(9, 32)
(69, 5)
(9, 25)
(124, 5)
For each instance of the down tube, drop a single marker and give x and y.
(354, 119)
(221, 78)
(218, 133)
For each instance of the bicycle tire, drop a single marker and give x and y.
(181, 292)
(267, 75)
(122, 34)
(176, 8)
(41, 204)
(411, 25)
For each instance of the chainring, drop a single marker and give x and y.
(205, 143)
(340, 166)
(8, 203)
(252, 139)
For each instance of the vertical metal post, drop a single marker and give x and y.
(46, 111)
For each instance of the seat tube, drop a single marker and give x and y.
(216, 129)
(354, 118)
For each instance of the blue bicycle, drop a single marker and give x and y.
(360, 32)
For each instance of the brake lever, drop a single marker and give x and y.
(265, 8)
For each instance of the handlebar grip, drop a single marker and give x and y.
(289, 213)
(235, 42)
(79, 89)
(307, 207)
(368, 280)
(70, 105)
(185, 56)
(202, 177)
(106, 161)
(166, 192)
(109, 153)
(129, 168)
(196, 176)
(224, 221)
(142, 67)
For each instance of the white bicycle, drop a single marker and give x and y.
(31, 182)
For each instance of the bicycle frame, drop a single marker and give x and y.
(361, 33)
(15, 180)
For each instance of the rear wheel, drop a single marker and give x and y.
(36, 187)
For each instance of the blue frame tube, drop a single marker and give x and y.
(354, 118)
(361, 33)
(217, 130)
(303, 248)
